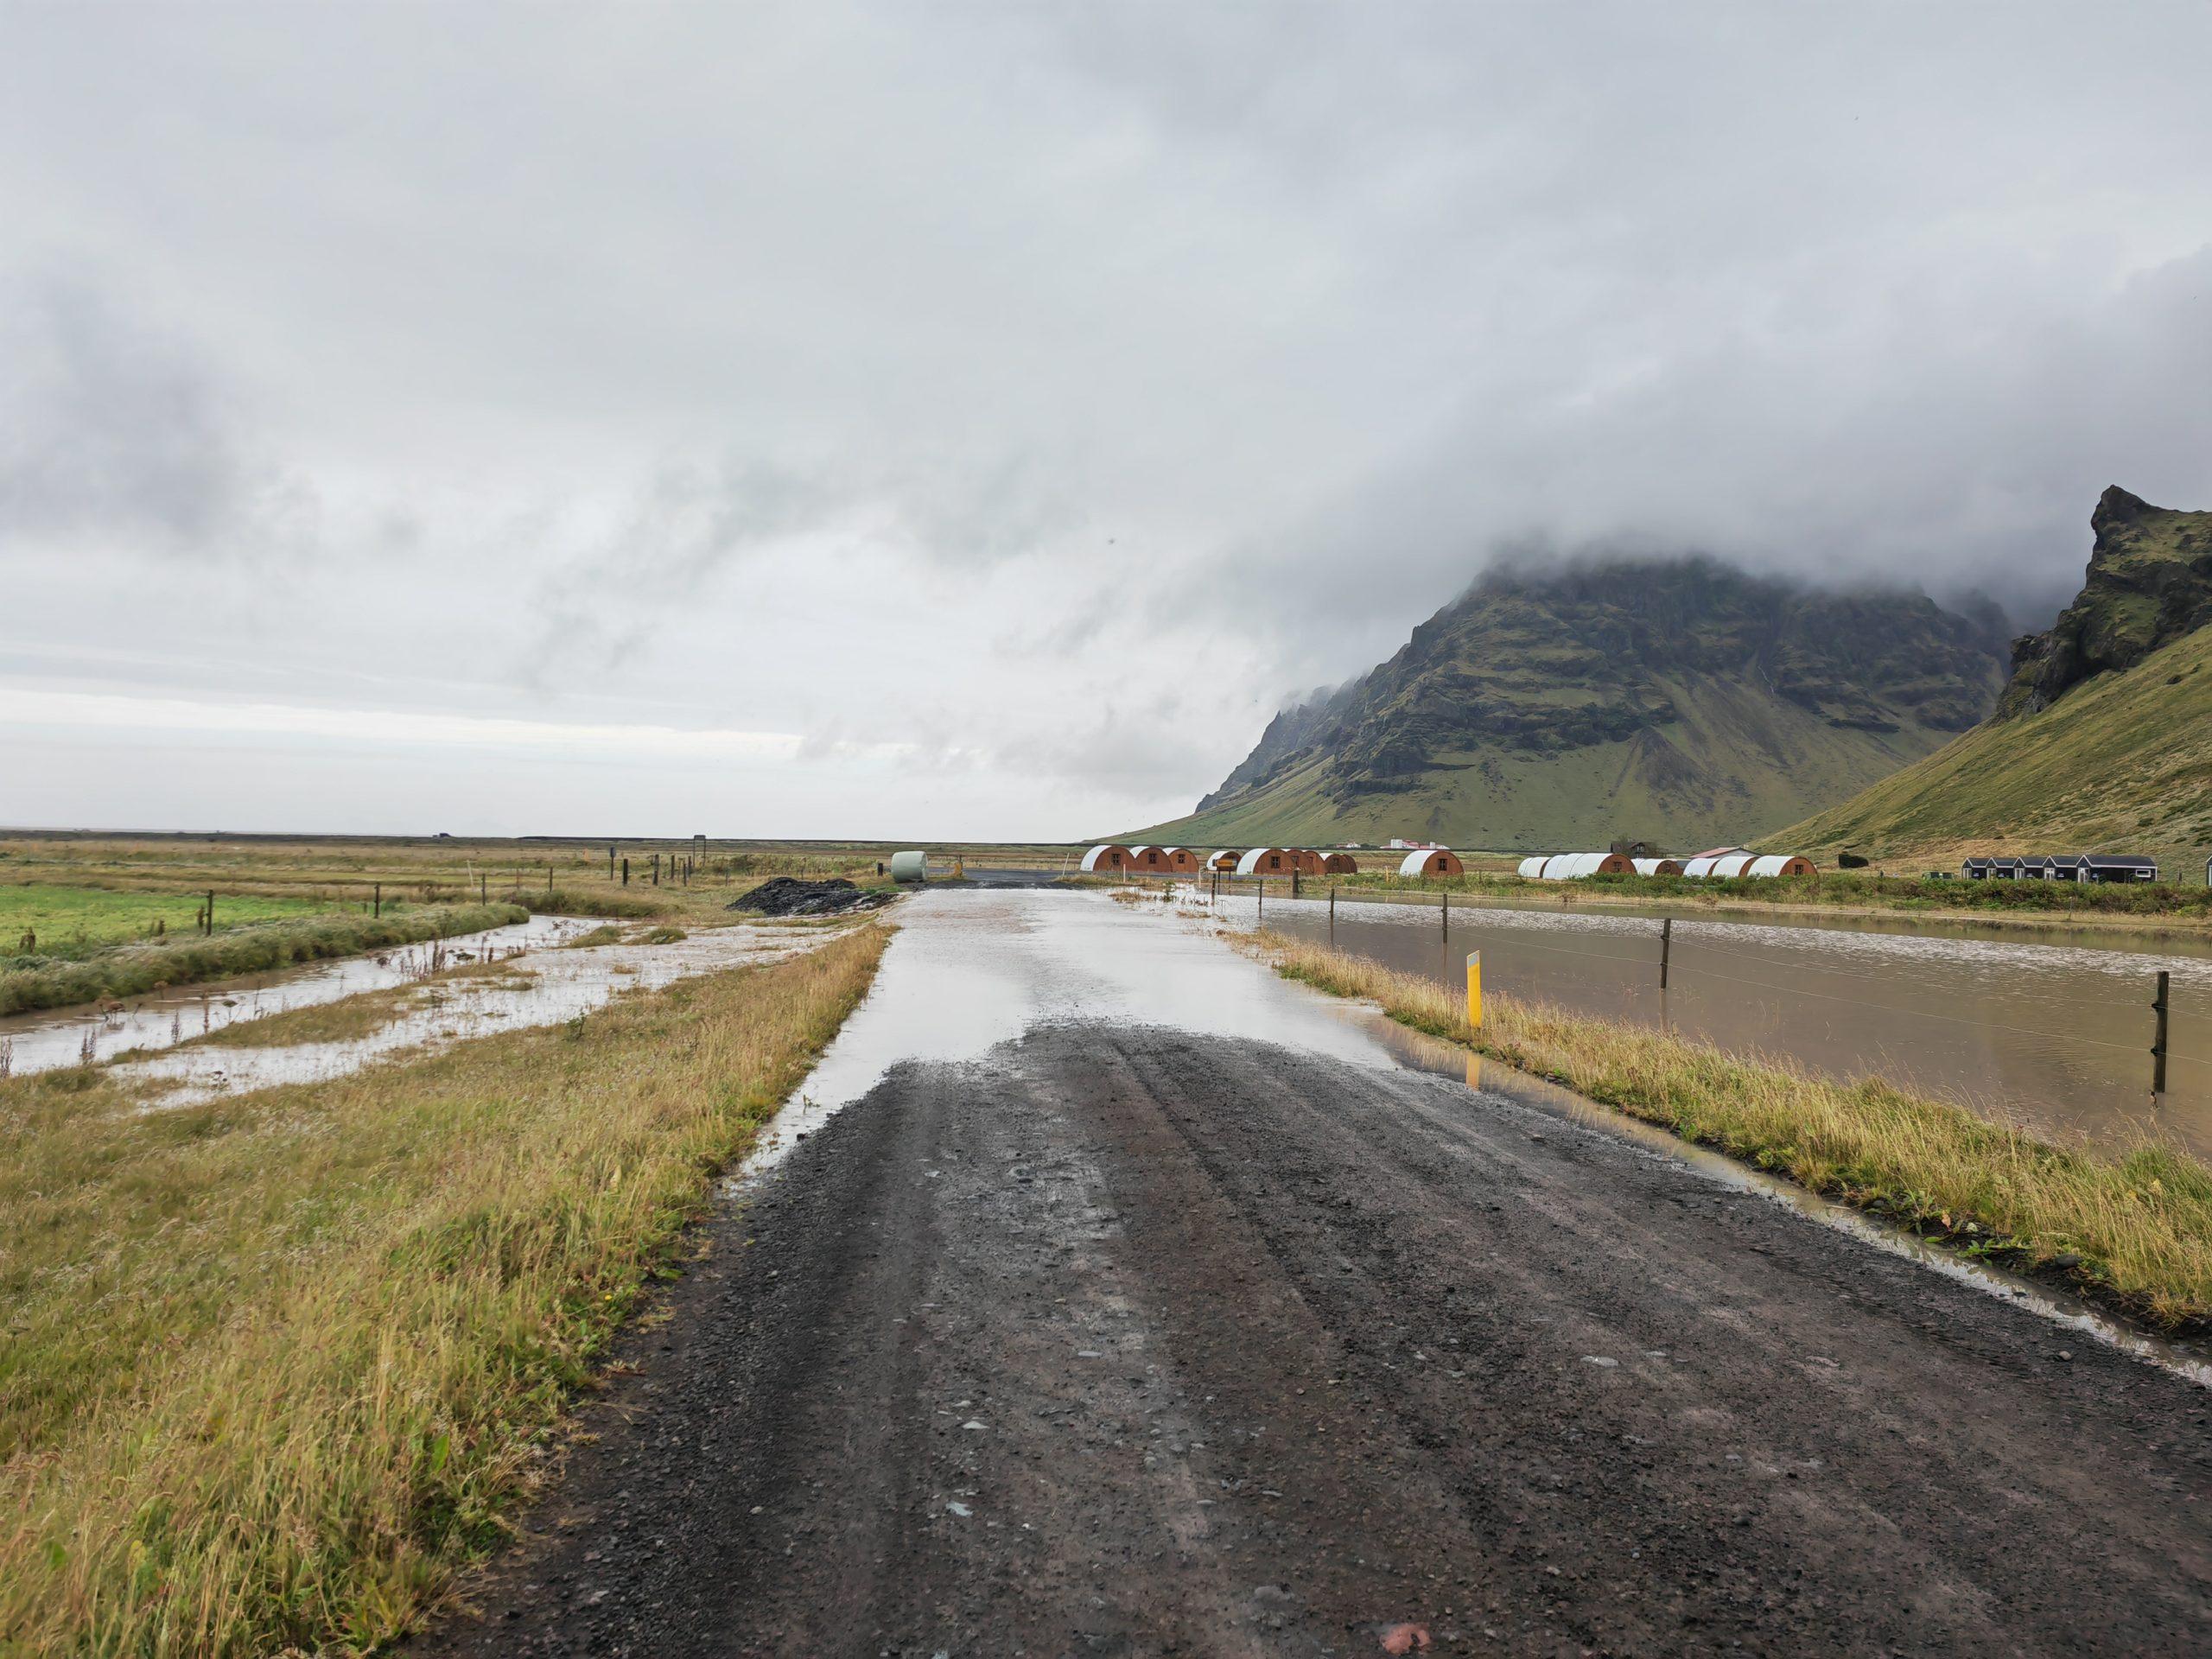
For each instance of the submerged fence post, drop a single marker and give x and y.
(625, 872)
(1666, 948)
(1447, 912)
(2158, 1043)
(1475, 989)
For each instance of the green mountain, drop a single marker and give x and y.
(2102, 740)
(1679, 702)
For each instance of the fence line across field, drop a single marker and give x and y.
(2159, 1006)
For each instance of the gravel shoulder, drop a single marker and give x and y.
(1135, 1341)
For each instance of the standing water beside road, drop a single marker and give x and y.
(2050, 1028)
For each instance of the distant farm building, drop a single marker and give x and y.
(1718, 867)
(1433, 861)
(2067, 866)
(1162, 861)
(2119, 866)
(1339, 864)
(1107, 858)
(1574, 867)
(1777, 864)
(1265, 861)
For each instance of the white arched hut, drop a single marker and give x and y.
(1532, 867)
(1573, 866)
(1223, 861)
(1778, 864)
(1432, 860)
(1658, 865)
(1266, 861)
(1178, 861)
(1107, 858)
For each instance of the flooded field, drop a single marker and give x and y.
(2052, 1031)
(526, 974)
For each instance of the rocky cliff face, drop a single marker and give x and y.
(1659, 697)
(2149, 583)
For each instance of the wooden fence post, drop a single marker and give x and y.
(1666, 948)
(2158, 1042)
(211, 913)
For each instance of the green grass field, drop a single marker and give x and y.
(278, 1365)
(73, 921)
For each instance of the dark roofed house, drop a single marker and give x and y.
(2119, 866)
(2067, 866)
(1975, 870)
(2005, 869)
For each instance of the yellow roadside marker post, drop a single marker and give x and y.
(1475, 989)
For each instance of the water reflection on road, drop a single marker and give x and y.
(2052, 1031)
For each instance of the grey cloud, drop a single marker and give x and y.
(783, 365)
(105, 429)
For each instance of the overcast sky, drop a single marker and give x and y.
(973, 419)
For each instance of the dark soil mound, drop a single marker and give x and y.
(788, 896)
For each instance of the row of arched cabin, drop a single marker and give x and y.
(1717, 867)
(1111, 858)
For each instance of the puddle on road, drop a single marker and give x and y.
(52, 1038)
(549, 985)
(969, 970)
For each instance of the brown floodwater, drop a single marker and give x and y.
(2049, 1028)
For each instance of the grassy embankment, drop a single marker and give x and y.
(2135, 1230)
(40, 981)
(277, 1364)
(2120, 763)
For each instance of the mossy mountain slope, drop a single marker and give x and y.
(2103, 742)
(1678, 701)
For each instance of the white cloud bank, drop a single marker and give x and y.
(972, 420)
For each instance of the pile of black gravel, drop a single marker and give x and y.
(788, 896)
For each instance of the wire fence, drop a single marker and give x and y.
(1664, 963)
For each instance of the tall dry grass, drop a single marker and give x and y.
(276, 1365)
(2136, 1226)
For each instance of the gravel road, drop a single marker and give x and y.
(1100, 1328)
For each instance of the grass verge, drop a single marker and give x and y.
(277, 1364)
(2134, 1230)
(29, 983)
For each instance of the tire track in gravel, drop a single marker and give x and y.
(1138, 1341)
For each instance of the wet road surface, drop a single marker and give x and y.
(1146, 1305)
